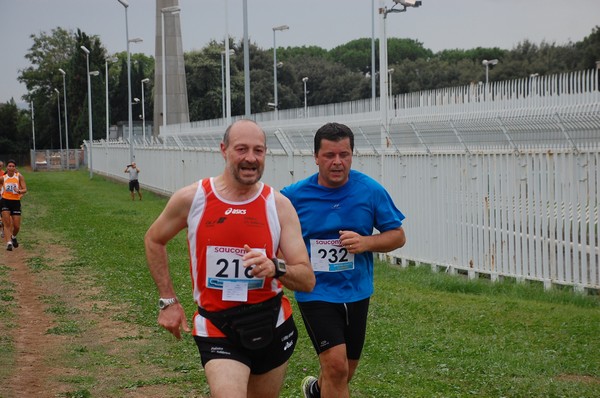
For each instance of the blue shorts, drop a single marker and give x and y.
(259, 361)
(331, 324)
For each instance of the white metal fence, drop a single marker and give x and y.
(502, 183)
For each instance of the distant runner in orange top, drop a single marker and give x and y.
(13, 187)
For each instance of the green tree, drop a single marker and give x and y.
(15, 130)
(48, 53)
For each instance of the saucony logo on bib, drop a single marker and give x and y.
(234, 211)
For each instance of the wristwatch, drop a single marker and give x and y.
(280, 267)
(165, 302)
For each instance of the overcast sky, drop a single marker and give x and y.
(438, 24)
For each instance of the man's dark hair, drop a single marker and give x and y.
(333, 132)
(11, 161)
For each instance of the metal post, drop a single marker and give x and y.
(373, 56)
(247, 111)
(130, 118)
(227, 69)
(223, 85)
(164, 71)
(304, 80)
(107, 103)
(276, 100)
(59, 126)
(146, 80)
(33, 126)
(89, 85)
(66, 119)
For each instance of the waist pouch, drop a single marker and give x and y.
(250, 325)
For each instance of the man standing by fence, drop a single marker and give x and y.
(338, 209)
(134, 183)
(13, 188)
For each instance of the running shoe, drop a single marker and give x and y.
(9, 246)
(14, 242)
(307, 383)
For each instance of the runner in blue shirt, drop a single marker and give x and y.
(339, 209)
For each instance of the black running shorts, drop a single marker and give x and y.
(259, 361)
(331, 324)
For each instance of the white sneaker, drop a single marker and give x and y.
(306, 384)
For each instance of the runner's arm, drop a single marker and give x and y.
(299, 275)
(169, 223)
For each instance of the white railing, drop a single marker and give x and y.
(507, 188)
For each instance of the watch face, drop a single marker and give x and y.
(281, 266)
(164, 303)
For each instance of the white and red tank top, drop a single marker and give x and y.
(218, 229)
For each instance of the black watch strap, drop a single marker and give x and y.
(280, 267)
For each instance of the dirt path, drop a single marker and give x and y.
(33, 347)
(47, 299)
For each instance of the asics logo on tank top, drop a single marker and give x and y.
(234, 211)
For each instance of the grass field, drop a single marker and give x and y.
(429, 335)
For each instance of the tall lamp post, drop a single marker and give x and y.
(89, 86)
(107, 60)
(64, 74)
(33, 128)
(167, 10)
(231, 52)
(487, 64)
(304, 80)
(390, 72)
(125, 5)
(144, 81)
(276, 102)
(59, 126)
(373, 56)
(383, 59)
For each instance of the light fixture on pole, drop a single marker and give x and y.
(125, 5)
(487, 64)
(304, 80)
(64, 74)
(276, 102)
(231, 52)
(167, 10)
(390, 73)
(59, 126)
(110, 59)
(372, 75)
(89, 86)
(383, 60)
(144, 81)
(33, 128)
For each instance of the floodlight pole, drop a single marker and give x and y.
(59, 126)
(89, 86)
(276, 102)
(146, 80)
(63, 73)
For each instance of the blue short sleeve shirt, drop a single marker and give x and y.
(361, 205)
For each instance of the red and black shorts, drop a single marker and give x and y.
(259, 361)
